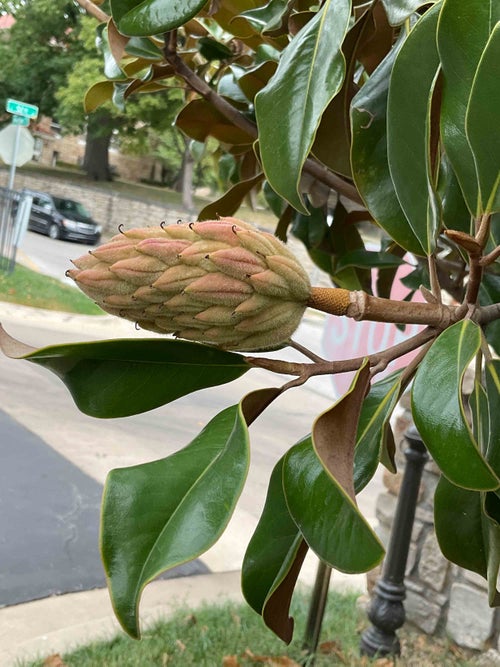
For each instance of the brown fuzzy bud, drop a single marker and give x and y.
(220, 282)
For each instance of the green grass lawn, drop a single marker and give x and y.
(230, 635)
(30, 288)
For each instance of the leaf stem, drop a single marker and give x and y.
(379, 360)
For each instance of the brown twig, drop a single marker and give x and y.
(483, 229)
(311, 166)
(379, 360)
(93, 10)
(305, 351)
(434, 279)
(486, 314)
(490, 257)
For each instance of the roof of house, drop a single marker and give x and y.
(6, 21)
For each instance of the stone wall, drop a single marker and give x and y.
(441, 598)
(70, 149)
(107, 207)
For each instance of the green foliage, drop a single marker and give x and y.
(30, 288)
(40, 49)
(362, 124)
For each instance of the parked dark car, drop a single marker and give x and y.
(62, 218)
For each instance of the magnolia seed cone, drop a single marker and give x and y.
(220, 282)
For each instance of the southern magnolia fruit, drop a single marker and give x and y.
(220, 282)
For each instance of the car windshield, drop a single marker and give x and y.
(70, 206)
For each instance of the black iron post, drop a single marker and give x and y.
(316, 611)
(387, 612)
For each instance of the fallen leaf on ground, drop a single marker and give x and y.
(272, 661)
(333, 648)
(54, 660)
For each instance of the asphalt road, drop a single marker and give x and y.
(52, 257)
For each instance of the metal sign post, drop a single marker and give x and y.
(15, 150)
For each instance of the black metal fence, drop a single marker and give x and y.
(14, 214)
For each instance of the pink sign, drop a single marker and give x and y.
(344, 338)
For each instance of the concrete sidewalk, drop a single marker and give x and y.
(30, 396)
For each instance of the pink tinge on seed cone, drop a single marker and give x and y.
(220, 282)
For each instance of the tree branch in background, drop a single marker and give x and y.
(93, 10)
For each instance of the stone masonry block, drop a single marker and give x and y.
(433, 566)
(422, 612)
(475, 578)
(385, 509)
(470, 619)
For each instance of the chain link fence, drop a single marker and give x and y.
(15, 210)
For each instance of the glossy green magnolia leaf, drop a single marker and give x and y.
(458, 521)
(269, 17)
(211, 49)
(275, 203)
(332, 143)
(369, 159)
(468, 531)
(118, 378)
(455, 214)
(160, 514)
(326, 516)
(273, 559)
(439, 411)
(256, 78)
(231, 201)
(369, 259)
(373, 421)
(142, 47)
(482, 123)
(463, 30)
(288, 110)
(152, 17)
(408, 143)
(491, 509)
(400, 10)
(112, 69)
(480, 414)
(228, 87)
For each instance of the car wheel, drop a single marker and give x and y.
(54, 231)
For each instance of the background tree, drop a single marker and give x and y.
(41, 48)
(343, 114)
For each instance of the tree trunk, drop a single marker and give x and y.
(99, 132)
(187, 180)
(184, 181)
